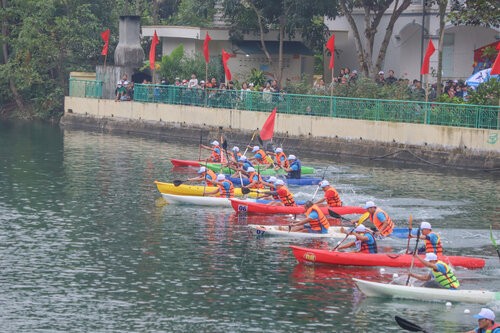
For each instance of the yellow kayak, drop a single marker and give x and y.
(196, 190)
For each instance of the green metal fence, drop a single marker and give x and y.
(462, 115)
(85, 88)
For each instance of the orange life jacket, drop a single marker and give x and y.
(378, 223)
(235, 156)
(209, 175)
(282, 163)
(251, 177)
(429, 248)
(368, 248)
(332, 198)
(225, 192)
(321, 221)
(216, 157)
(286, 196)
(263, 157)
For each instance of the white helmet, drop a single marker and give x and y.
(272, 179)
(292, 157)
(360, 228)
(425, 225)
(202, 169)
(255, 148)
(370, 204)
(279, 182)
(236, 149)
(430, 256)
(220, 177)
(324, 183)
(243, 158)
(250, 169)
(278, 150)
(215, 143)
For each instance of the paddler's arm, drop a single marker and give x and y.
(213, 192)
(320, 201)
(420, 277)
(426, 263)
(345, 246)
(352, 232)
(301, 222)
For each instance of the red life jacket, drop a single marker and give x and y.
(286, 196)
(321, 221)
(332, 198)
(378, 223)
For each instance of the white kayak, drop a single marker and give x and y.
(174, 199)
(282, 230)
(376, 289)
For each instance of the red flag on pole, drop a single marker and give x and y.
(495, 69)
(225, 58)
(330, 45)
(152, 51)
(267, 131)
(105, 38)
(206, 52)
(427, 57)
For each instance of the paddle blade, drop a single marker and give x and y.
(333, 214)
(245, 190)
(224, 144)
(177, 182)
(363, 218)
(407, 325)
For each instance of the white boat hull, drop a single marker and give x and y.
(282, 231)
(375, 289)
(197, 200)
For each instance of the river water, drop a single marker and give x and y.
(86, 244)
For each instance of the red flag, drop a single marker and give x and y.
(495, 69)
(225, 58)
(427, 57)
(205, 48)
(105, 38)
(152, 51)
(330, 45)
(267, 131)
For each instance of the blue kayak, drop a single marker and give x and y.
(288, 181)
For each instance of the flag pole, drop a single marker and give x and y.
(331, 94)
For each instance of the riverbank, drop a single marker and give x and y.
(410, 143)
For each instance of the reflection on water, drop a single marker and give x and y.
(86, 246)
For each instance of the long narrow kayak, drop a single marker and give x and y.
(282, 231)
(195, 190)
(242, 206)
(376, 289)
(303, 254)
(175, 199)
(217, 167)
(185, 163)
(289, 181)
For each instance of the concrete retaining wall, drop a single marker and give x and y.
(453, 146)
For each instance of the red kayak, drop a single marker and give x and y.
(377, 259)
(184, 163)
(242, 206)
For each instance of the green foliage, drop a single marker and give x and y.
(487, 93)
(257, 77)
(475, 12)
(196, 13)
(445, 98)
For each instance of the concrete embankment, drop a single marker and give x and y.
(453, 147)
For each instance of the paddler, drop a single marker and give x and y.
(440, 274)
(242, 166)
(225, 187)
(295, 169)
(254, 178)
(260, 156)
(432, 240)
(364, 243)
(235, 154)
(331, 196)
(269, 183)
(315, 221)
(216, 155)
(379, 218)
(206, 175)
(283, 194)
(281, 161)
(486, 322)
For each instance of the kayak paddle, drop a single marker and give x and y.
(337, 216)
(409, 234)
(179, 182)
(408, 325)
(360, 221)
(494, 242)
(251, 140)
(413, 257)
(317, 188)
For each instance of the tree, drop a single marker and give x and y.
(484, 13)
(373, 14)
(287, 16)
